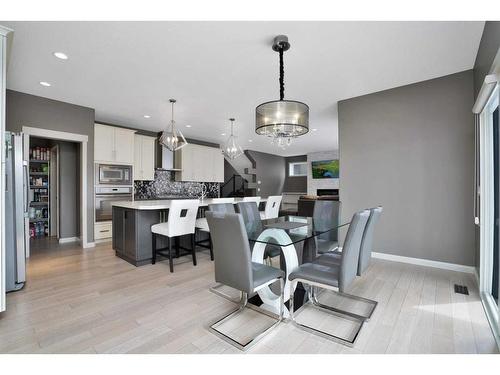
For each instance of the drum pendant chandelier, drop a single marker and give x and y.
(171, 137)
(282, 120)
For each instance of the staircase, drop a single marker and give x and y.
(243, 182)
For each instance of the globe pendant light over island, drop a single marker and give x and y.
(231, 148)
(282, 120)
(172, 138)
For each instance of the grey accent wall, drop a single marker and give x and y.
(313, 184)
(69, 190)
(410, 149)
(297, 184)
(270, 172)
(35, 111)
(488, 48)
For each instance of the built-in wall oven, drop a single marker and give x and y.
(113, 174)
(105, 196)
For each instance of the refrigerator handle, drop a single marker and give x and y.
(27, 186)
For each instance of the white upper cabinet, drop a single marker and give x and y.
(199, 163)
(144, 157)
(113, 145)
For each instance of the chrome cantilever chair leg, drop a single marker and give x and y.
(293, 314)
(373, 304)
(242, 305)
(215, 290)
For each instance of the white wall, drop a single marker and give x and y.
(321, 183)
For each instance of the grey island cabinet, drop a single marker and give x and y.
(132, 221)
(132, 234)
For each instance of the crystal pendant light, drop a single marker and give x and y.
(231, 148)
(171, 137)
(282, 120)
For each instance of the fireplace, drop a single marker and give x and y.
(321, 192)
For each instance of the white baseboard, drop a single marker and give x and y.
(102, 240)
(69, 239)
(476, 277)
(425, 262)
(89, 244)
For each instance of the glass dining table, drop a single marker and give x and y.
(296, 237)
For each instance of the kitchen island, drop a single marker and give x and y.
(132, 221)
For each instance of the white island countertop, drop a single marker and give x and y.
(164, 204)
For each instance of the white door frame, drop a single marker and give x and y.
(71, 137)
(487, 199)
(5, 36)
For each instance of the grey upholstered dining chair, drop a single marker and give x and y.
(251, 215)
(336, 277)
(234, 268)
(365, 253)
(201, 225)
(326, 215)
(335, 258)
(226, 208)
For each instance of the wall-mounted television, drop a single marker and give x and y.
(325, 169)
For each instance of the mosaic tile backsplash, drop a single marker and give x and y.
(164, 186)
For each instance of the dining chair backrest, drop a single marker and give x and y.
(182, 216)
(249, 212)
(326, 215)
(223, 200)
(233, 264)
(365, 252)
(272, 209)
(350, 250)
(252, 199)
(222, 207)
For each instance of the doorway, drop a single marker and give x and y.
(54, 207)
(80, 173)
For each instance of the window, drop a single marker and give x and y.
(297, 169)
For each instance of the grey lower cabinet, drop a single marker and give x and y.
(132, 234)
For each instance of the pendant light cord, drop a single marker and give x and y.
(282, 75)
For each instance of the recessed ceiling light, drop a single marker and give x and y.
(61, 55)
(46, 84)
(188, 126)
(147, 116)
(314, 129)
(250, 140)
(222, 133)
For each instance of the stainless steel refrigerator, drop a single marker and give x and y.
(16, 211)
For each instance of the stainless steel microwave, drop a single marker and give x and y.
(113, 174)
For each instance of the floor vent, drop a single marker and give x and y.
(461, 289)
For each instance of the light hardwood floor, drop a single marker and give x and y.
(90, 301)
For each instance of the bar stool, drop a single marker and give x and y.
(181, 220)
(202, 226)
(272, 208)
(336, 277)
(234, 268)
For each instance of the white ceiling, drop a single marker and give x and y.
(218, 70)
